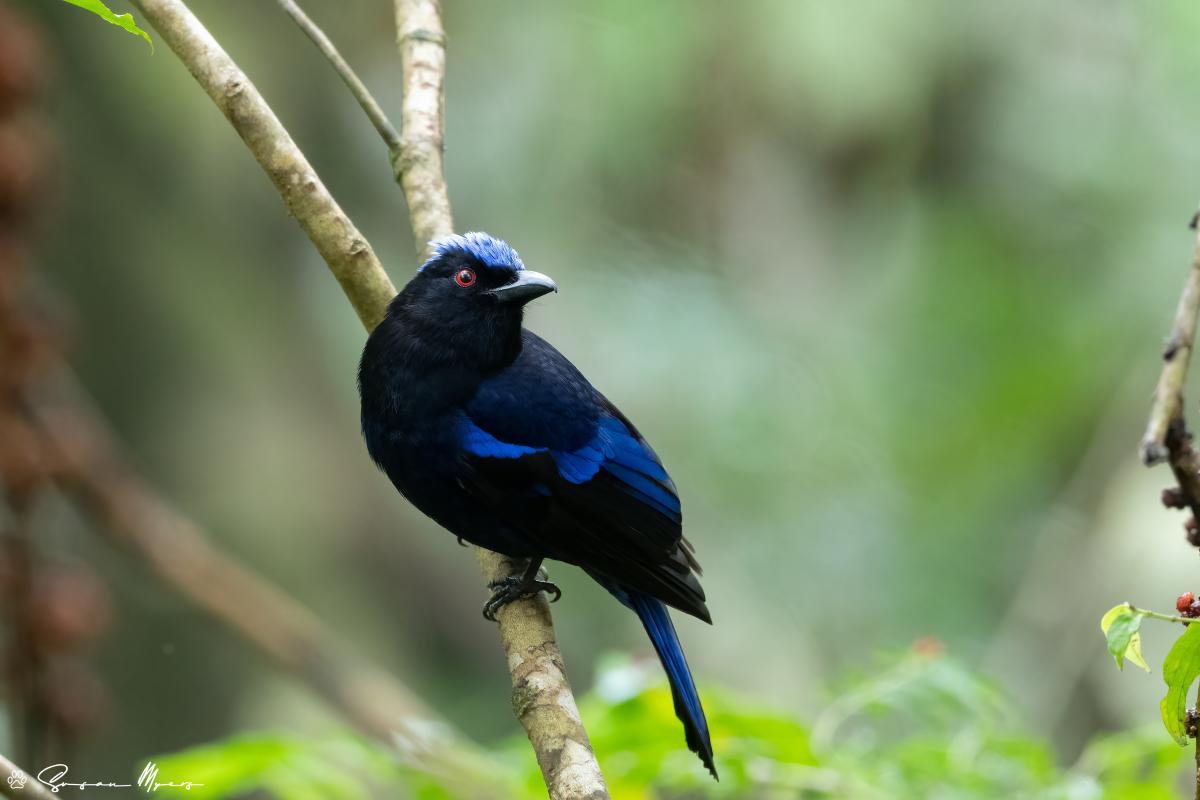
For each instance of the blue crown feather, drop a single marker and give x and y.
(485, 248)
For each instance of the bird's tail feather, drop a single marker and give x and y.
(657, 621)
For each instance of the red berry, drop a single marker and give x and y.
(1184, 602)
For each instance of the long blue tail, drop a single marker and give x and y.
(687, 701)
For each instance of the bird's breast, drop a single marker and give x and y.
(424, 443)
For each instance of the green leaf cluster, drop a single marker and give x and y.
(1120, 627)
(1181, 667)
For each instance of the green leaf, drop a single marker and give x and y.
(1180, 670)
(120, 20)
(1120, 626)
(228, 767)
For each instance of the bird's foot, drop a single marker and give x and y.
(514, 587)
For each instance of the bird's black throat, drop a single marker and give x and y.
(422, 358)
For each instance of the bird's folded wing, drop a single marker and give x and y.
(565, 466)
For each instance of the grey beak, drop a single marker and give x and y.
(527, 286)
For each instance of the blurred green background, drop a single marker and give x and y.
(884, 283)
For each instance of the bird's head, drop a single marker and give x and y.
(476, 271)
(471, 293)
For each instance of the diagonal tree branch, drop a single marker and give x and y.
(542, 698)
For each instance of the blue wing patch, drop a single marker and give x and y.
(623, 448)
(618, 452)
(579, 465)
(613, 449)
(477, 441)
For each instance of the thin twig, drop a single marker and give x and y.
(1168, 395)
(1160, 616)
(18, 784)
(539, 681)
(361, 93)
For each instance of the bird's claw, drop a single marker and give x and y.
(515, 587)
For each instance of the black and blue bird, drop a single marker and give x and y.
(496, 436)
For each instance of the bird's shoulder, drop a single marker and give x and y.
(543, 404)
(540, 400)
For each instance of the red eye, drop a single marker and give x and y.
(465, 278)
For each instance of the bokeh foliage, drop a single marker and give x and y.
(920, 725)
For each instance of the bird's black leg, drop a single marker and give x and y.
(514, 587)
